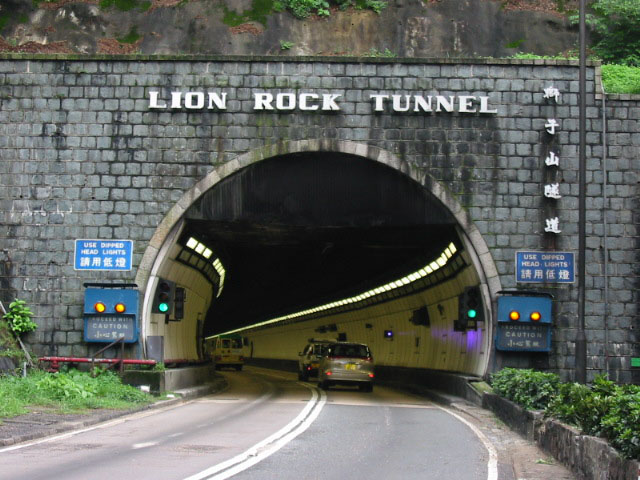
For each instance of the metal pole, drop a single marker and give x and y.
(581, 338)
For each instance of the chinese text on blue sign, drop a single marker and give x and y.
(103, 255)
(545, 267)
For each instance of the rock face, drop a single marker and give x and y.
(406, 28)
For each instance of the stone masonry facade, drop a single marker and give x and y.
(82, 156)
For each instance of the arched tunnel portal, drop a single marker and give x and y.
(323, 244)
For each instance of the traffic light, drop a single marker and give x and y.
(178, 308)
(163, 297)
(470, 308)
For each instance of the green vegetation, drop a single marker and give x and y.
(67, 392)
(515, 43)
(616, 28)
(285, 45)
(19, 318)
(131, 37)
(603, 409)
(126, 5)
(615, 78)
(533, 390)
(621, 79)
(322, 8)
(375, 53)
(260, 10)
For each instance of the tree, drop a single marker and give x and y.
(616, 30)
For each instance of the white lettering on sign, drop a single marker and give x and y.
(191, 101)
(325, 102)
(418, 103)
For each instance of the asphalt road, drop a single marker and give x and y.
(267, 425)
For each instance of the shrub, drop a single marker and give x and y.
(583, 406)
(616, 28)
(19, 318)
(621, 78)
(603, 409)
(529, 388)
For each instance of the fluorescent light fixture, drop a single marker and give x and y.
(426, 270)
(191, 243)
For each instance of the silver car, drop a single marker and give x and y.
(346, 363)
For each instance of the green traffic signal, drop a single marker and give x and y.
(472, 313)
(163, 307)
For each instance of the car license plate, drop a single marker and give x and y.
(351, 366)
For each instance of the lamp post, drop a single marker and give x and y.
(581, 338)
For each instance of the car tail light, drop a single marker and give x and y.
(309, 368)
(328, 373)
(371, 375)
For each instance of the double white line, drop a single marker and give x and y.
(269, 445)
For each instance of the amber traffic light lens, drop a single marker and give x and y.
(120, 308)
(535, 316)
(100, 307)
(514, 315)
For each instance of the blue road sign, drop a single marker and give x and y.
(103, 255)
(524, 322)
(545, 267)
(110, 313)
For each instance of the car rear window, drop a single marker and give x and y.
(353, 351)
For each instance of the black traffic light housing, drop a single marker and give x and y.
(163, 298)
(470, 309)
(180, 298)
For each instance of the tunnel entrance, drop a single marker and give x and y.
(302, 229)
(322, 243)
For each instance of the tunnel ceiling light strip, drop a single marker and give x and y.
(423, 272)
(201, 249)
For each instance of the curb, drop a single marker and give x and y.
(182, 395)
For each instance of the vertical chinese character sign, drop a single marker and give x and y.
(552, 190)
(112, 255)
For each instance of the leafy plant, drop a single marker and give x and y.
(285, 45)
(19, 318)
(529, 388)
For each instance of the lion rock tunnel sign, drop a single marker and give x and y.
(110, 312)
(524, 321)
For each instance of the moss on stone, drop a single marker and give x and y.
(260, 10)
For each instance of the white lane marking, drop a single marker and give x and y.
(492, 464)
(107, 424)
(137, 446)
(269, 445)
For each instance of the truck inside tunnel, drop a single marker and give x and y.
(297, 231)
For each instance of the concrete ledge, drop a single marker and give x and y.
(587, 456)
(170, 379)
